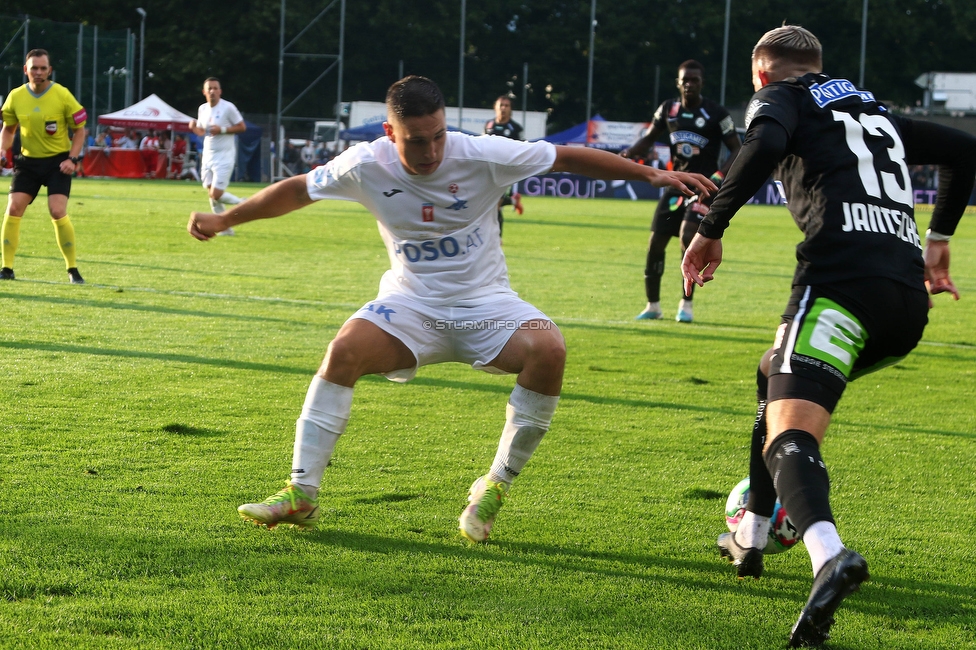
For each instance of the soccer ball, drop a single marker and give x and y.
(782, 532)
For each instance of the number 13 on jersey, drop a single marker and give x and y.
(857, 131)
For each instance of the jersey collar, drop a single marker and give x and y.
(40, 94)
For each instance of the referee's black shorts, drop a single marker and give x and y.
(31, 173)
(835, 333)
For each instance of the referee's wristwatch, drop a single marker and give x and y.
(75, 159)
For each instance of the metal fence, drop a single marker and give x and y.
(97, 65)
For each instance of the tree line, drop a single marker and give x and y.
(636, 42)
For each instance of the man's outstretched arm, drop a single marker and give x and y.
(764, 147)
(273, 201)
(606, 166)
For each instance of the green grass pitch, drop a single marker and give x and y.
(138, 411)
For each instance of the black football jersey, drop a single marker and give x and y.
(695, 136)
(512, 129)
(845, 181)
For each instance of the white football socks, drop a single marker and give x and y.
(527, 418)
(216, 207)
(753, 531)
(823, 544)
(323, 419)
(229, 199)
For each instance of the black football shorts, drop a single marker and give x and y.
(835, 333)
(31, 173)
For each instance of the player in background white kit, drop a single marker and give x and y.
(218, 120)
(446, 296)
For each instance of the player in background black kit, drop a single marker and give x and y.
(505, 126)
(696, 128)
(859, 300)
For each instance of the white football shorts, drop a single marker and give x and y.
(216, 171)
(469, 334)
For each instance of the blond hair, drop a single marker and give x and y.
(789, 44)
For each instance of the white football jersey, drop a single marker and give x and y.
(440, 230)
(223, 114)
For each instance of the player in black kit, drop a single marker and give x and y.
(859, 299)
(505, 126)
(696, 128)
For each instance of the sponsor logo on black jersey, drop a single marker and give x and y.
(690, 137)
(836, 90)
(754, 107)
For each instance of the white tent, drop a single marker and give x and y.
(150, 113)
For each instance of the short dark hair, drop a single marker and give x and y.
(37, 52)
(414, 96)
(210, 79)
(691, 64)
(507, 98)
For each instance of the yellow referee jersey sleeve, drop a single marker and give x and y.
(45, 120)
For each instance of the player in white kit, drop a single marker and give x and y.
(446, 296)
(217, 121)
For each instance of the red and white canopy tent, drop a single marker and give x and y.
(150, 113)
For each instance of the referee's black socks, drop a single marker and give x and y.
(800, 478)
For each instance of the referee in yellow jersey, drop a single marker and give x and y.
(45, 111)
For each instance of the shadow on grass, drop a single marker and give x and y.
(95, 304)
(500, 389)
(251, 553)
(582, 397)
(630, 566)
(188, 270)
(922, 598)
(386, 498)
(943, 354)
(187, 430)
(13, 590)
(155, 356)
(695, 332)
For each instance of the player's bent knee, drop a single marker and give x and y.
(343, 358)
(548, 346)
(362, 348)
